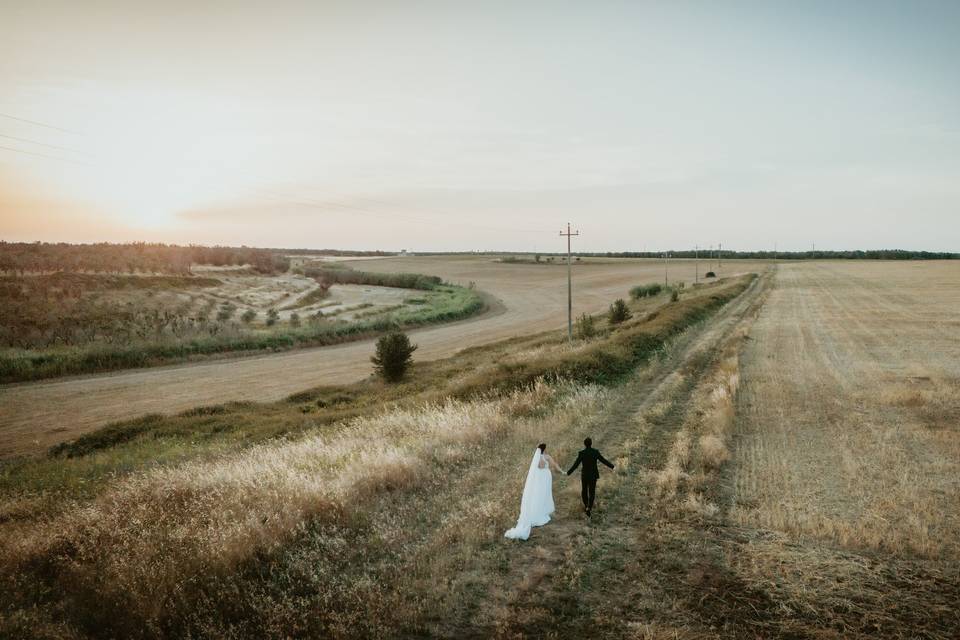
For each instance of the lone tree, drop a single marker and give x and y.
(619, 311)
(394, 356)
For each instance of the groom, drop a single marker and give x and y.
(589, 475)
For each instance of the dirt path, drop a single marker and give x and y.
(616, 574)
(34, 416)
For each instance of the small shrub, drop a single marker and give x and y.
(393, 356)
(272, 316)
(674, 295)
(227, 309)
(586, 327)
(248, 316)
(645, 291)
(710, 274)
(294, 319)
(619, 312)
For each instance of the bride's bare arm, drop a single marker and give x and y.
(552, 463)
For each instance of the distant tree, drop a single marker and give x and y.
(248, 316)
(619, 312)
(294, 319)
(272, 316)
(394, 356)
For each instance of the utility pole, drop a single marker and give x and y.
(568, 234)
(720, 257)
(696, 263)
(666, 282)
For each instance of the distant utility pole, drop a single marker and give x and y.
(569, 234)
(665, 281)
(720, 257)
(696, 263)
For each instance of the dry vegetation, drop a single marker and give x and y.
(367, 510)
(847, 468)
(849, 418)
(137, 553)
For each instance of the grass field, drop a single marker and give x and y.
(786, 453)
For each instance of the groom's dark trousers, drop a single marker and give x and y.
(589, 475)
(588, 491)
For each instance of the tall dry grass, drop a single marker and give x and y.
(146, 543)
(701, 446)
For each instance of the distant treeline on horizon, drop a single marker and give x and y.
(726, 254)
(144, 257)
(133, 257)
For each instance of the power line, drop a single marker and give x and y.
(42, 144)
(43, 155)
(40, 124)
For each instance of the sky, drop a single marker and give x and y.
(482, 125)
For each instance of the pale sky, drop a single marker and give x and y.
(482, 125)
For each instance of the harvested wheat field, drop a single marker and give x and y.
(523, 298)
(846, 470)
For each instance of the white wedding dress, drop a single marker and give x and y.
(536, 505)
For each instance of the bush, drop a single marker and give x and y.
(619, 312)
(227, 309)
(586, 328)
(272, 316)
(674, 295)
(248, 316)
(333, 275)
(645, 291)
(393, 356)
(294, 319)
(710, 274)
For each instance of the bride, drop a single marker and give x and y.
(536, 505)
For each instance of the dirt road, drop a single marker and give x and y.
(34, 416)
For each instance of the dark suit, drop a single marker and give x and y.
(589, 475)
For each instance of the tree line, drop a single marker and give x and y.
(135, 257)
(727, 254)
